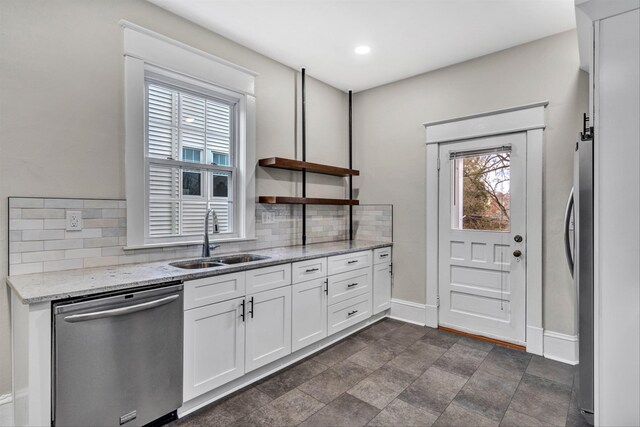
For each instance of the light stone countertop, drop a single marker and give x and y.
(42, 287)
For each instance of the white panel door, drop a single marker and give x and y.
(213, 346)
(381, 287)
(309, 312)
(482, 242)
(268, 327)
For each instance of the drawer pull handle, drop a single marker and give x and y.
(243, 311)
(311, 270)
(326, 286)
(352, 285)
(251, 311)
(352, 262)
(384, 255)
(351, 313)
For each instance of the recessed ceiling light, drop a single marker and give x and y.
(362, 50)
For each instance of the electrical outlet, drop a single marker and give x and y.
(268, 217)
(74, 220)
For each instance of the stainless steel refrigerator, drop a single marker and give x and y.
(579, 249)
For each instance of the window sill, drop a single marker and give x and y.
(191, 243)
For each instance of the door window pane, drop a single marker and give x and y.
(191, 183)
(481, 192)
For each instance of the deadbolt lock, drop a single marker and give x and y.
(518, 238)
(517, 253)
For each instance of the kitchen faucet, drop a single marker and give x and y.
(206, 248)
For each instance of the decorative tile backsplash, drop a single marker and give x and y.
(39, 242)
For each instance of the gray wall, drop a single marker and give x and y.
(390, 150)
(61, 109)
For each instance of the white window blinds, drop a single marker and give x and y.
(190, 160)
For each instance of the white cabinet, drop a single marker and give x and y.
(349, 312)
(302, 271)
(381, 280)
(347, 262)
(209, 290)
(350, 284)
(214, 338)
(309, 312)
(262, 279)
(268, 327)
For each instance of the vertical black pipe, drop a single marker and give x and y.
(350, 164)
(304, 158)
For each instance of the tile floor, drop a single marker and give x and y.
(398, 374)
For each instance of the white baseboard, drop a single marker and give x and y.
(408, 311)
(535, 340)
(561, 347)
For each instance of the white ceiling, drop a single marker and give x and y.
(407, 37)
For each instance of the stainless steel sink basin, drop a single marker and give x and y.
(218, 262)
(197, 264)
(240, 258)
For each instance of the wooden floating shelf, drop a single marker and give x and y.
(284, 200)
(297, 165)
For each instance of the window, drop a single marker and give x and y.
(189, 142)
(481, 191)
(182, 123)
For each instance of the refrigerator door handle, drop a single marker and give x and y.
(567, 239)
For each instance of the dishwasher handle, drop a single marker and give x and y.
(121, 311)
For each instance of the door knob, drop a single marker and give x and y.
(517, 253)
(518, 238)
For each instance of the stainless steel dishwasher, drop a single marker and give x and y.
(117, 358)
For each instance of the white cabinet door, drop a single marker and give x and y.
(214, 337)
(263, 279)
(268, 327)
(347, 285)
(309, 312)
(381, 287)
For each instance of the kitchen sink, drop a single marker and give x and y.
(196, 264)
(218, 262)
(237, 259)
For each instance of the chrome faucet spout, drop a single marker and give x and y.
(206, 248)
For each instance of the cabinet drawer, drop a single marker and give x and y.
(347, 285)
(200, 292)
(266, 278)
(308, 270)
(381, 255)
(349, 312)
(347, 262)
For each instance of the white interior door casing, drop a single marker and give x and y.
(482, 285)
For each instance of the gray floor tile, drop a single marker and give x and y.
(291, 378)
(461, 359)
(516, 419)
(574, 417)
(551, 370)
(346, 410)
(479, 344)
(434, 390)
(440, 338)
(340, 351)
(213, 415)
(399, 413)
(457, 416)
(379, 329)
(245, 402)
(382, 386)
(542, 399)
(377, 354)
(417, 358)
(289, 409)
(335, 381)
(506, 362)
(407, 334)
(487, 394)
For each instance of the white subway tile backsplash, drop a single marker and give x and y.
(63, 203)
(52, 245)
(26, 224)
(42, 213)
(42, 234)
(66, 264)
(45, 245)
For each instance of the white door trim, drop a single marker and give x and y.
(530, 119)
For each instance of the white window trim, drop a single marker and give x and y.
(145, 50)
